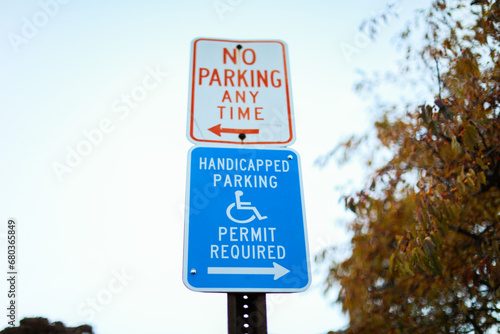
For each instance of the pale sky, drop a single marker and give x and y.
(101, 233)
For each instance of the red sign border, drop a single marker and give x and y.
(192, 95)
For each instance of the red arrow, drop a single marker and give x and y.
(218, 129)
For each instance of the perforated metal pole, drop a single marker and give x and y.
(246, 313)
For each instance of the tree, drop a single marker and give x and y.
(426, 228)
(42, 325)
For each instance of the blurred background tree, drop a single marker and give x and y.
(42, 326)
(426, 232)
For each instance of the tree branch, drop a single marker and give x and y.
(438, 76)
(466, 233)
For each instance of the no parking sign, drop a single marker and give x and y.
(240, 93)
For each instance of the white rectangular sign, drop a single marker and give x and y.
(240, 93)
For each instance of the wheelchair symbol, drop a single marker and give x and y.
(243, 206)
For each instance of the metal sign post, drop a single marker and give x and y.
(246, 313)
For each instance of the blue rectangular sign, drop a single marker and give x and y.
(245, 226)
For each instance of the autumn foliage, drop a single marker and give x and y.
(426, 233)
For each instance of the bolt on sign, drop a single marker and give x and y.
(240, 93)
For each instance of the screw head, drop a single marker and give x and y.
(193, 271)
(290, 157)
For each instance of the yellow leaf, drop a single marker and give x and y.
(455, 145)
(471, 182)
(481, 163)
(481, 178)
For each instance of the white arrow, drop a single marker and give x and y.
(276, 270)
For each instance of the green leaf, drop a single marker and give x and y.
(481, 164)
(470, 137)
(455, 145)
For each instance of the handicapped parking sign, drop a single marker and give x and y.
(245, 227)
